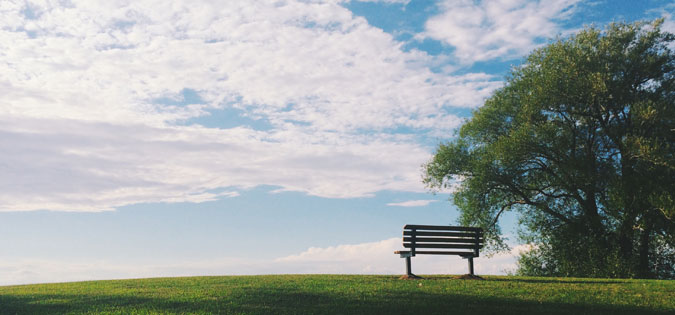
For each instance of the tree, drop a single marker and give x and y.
(580, 141)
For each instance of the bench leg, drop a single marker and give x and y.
(470, 259)
(408, 269)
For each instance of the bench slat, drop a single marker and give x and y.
(427, 252)
(457, 234)
(425, 245)
(435, 252)
(440, 227)
(442, 240)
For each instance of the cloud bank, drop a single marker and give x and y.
(103, 104)
(106, 104)
(365, 258)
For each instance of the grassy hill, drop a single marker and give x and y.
(343, 294)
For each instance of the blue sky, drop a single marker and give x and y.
(143, 139)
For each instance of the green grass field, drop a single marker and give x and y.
(343, 294)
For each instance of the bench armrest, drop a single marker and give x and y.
(404, 253)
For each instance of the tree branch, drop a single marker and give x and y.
(542, 206)
(508, 205)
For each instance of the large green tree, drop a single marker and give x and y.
(580, 141)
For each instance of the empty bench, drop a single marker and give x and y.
(463, 241)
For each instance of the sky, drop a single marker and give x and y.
(173, 138)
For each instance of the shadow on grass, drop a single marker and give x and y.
(293, 301)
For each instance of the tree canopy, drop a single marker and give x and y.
(580, 141)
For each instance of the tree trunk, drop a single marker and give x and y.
(626, 243)
(643, 259)
(630, 208)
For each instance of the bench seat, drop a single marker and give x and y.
(462, 241)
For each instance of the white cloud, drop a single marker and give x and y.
(669, 21)
(81, 88)
(412, 203)
(386, 1)
(29, 271)
(306, 62)
(80, 166)
(379, 258)
(366, 258)
(492, 29)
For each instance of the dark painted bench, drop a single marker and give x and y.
(463, 241)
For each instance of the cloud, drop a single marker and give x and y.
(365, 258)
(412, 203)
(71, 165)
(30, 271)
(94, 112)
(669, 21)
(490, 29)
(379, 258)
(85, 129)
(404, 2)
(294, 62)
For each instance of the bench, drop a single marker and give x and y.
(463, 241)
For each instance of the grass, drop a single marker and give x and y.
(343, 294)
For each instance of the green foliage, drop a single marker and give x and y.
(580, 141)
(343, 294)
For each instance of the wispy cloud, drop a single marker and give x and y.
(72, 165)
(412, 203)
(489, 29)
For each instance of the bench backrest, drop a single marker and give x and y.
(443, 240)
